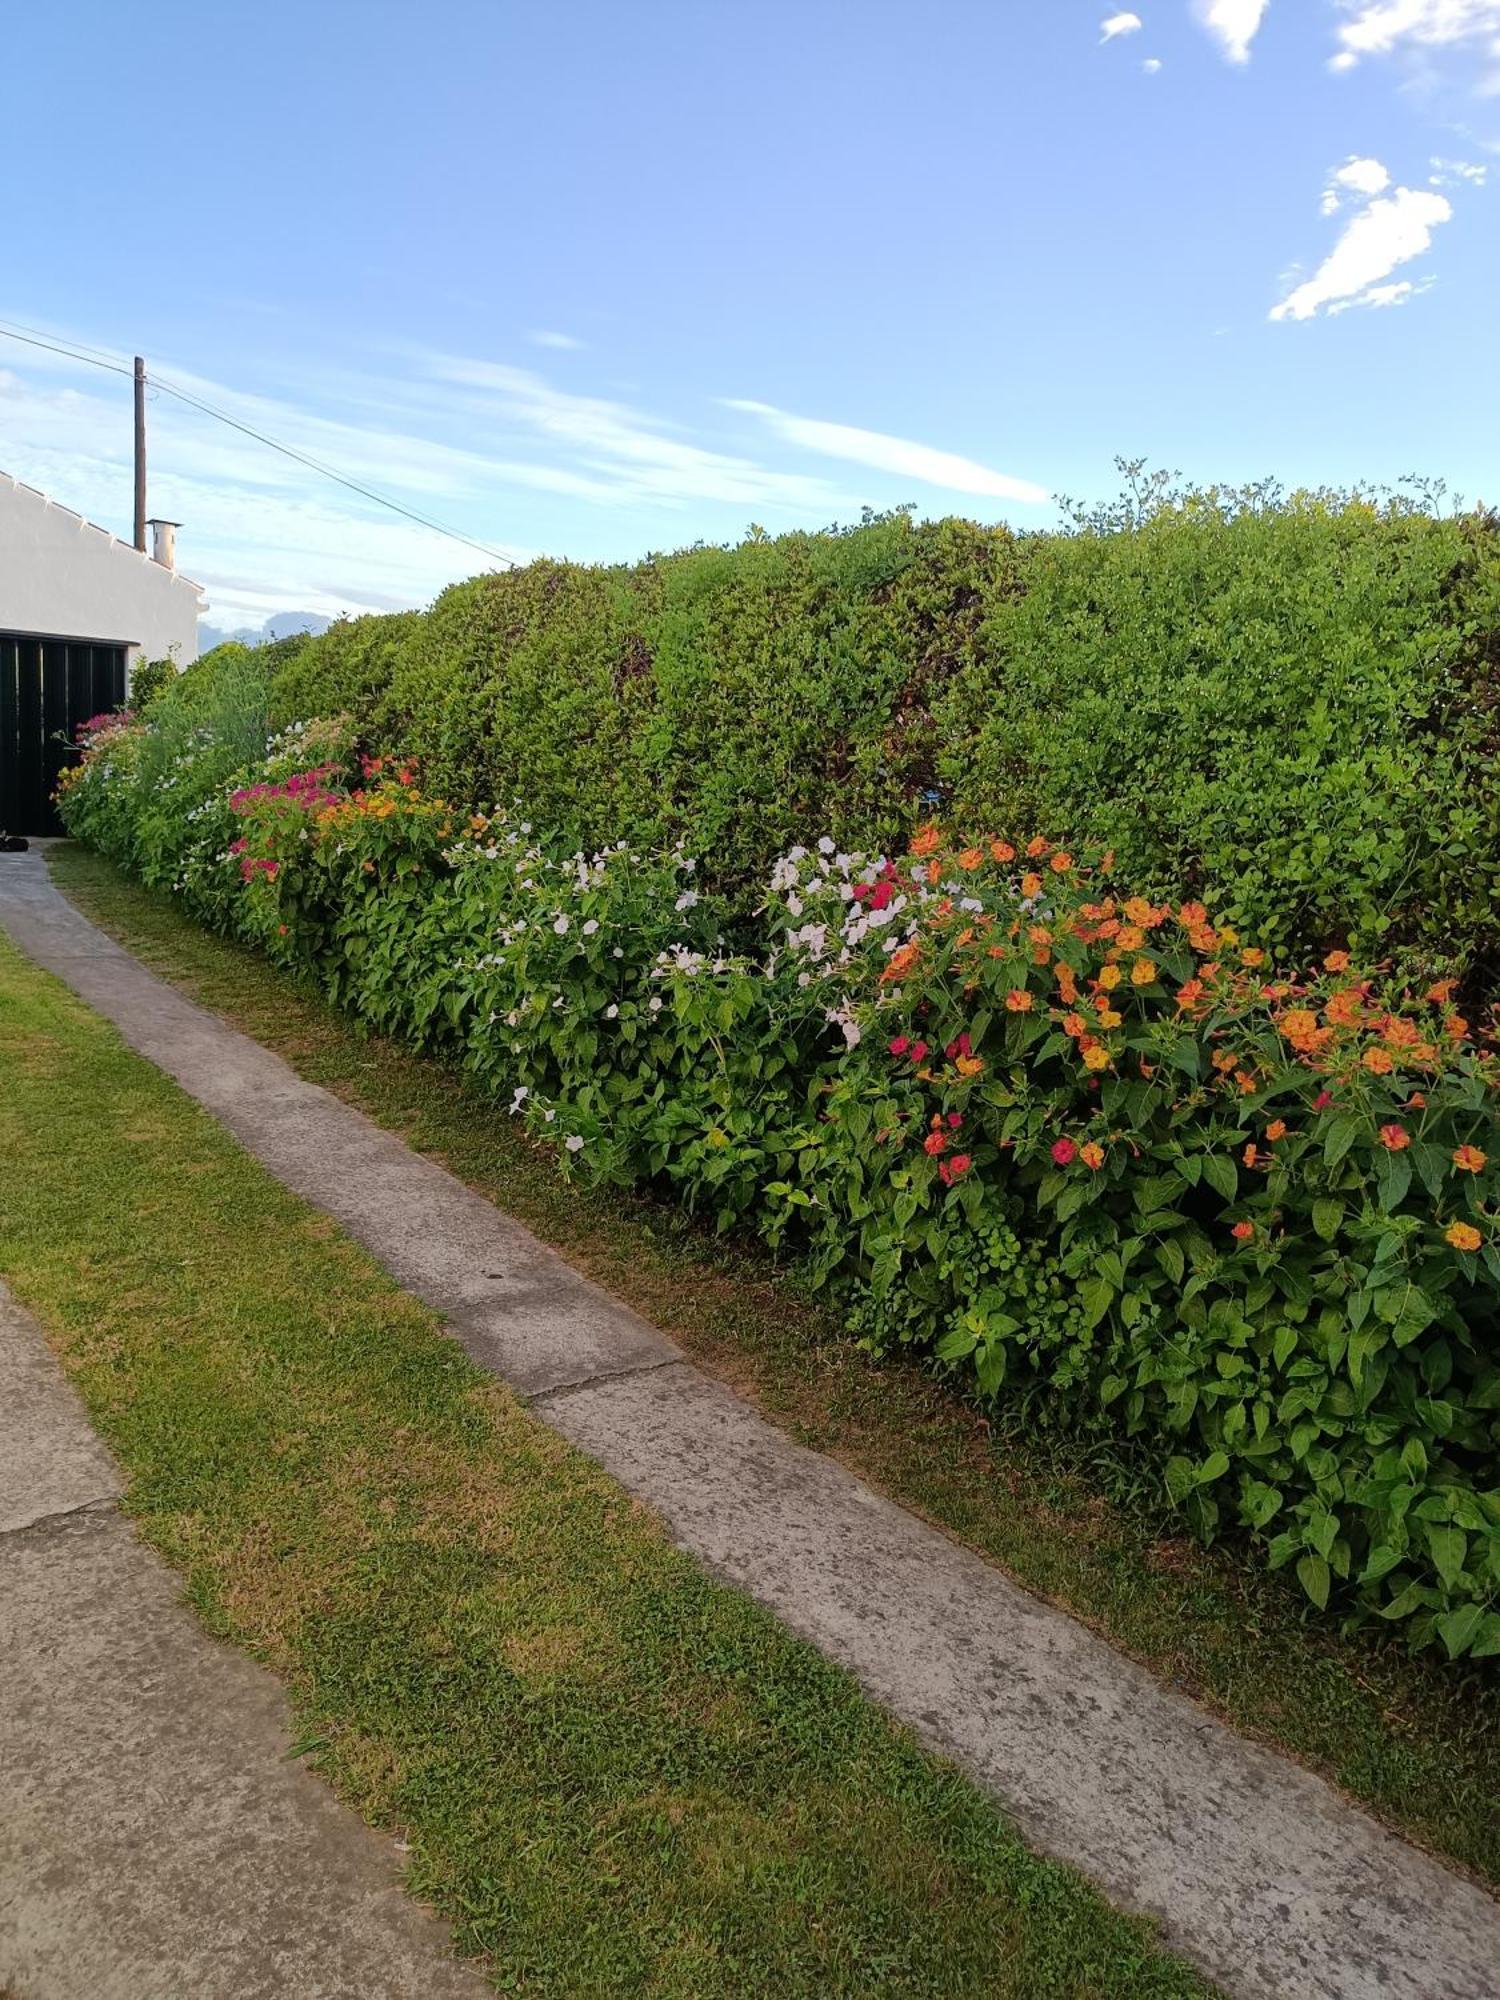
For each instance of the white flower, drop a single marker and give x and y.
(617, 952)
(573, 1143)
(561, 926)
(522, 1093)
(591, 926)
(655, 1003)
(686, 900)
(825, 845)
(794, 906)
(611, 1012)
(549, 1116)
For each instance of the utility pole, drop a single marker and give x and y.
(140, 454)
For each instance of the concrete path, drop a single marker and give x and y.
(1263, 1875)
(155, 1841)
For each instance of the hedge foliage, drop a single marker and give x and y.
(1094, 1150)
(1285, 705)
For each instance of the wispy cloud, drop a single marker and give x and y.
(1152, 65)
(1389, 231)
(1116, 25)
(1392, 27)
(903, 456)
(1234, 24)
(565, 343)
(1457, 173)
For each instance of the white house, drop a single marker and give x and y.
(78, 609)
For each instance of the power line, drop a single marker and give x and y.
(96, 359)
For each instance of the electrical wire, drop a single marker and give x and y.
(31, 338)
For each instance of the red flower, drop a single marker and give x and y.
(935, 1143)
(959, 1164)
(899, 1046)
(918, 1050)
(955, 1119)
(882, 895)
(1322, 1101)
(1064, 1152)
(1243, 1231)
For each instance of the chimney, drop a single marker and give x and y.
(164, 542)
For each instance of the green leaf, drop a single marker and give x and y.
(1394, 1175)
(1097, 1297)
(1222, 1175)
(1487, 1645)
(1449, 1547)
(1339, 1136)
(1457, 1628)
(1328, 1217)
(1312, 1574)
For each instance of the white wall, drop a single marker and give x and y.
(62, 576)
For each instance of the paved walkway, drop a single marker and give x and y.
(1262, 1874)
(155, 1841)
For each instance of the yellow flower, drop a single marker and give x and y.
(1109, 977)
(970, 1065)
(1108, 1018)
(1463, 1236)
(1096, 1057)
(1142, 972)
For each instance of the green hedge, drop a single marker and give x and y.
(1282, 702)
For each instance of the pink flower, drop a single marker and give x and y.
(1064, 1152)
(899, 1045)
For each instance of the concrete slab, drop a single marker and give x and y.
(50, 1459)
(1262, 1874)
(155, 1840)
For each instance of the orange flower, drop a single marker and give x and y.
(1246, 1082)
(925, 840)
(934, 872)
(1107, 861)
(1092, 1155)
(1223, 1060)
(1191, 915)
(1109, 977)
(1001, 850)
(1252, 955)
(1067, 986)
(1018, 1000)
(1457, 1027)
(1243, 1231)
(1463, 1236)
(1031, 885)
(1202, 937)
(1036, 847)
(1140, 911)
(1336, 961)
(1441, 993)
(1417, 1101)
(1395, 1138)
(1061, 863)
(1300, 1026)
(1130, 937)
(1469, 1159)
(1378, 1061)
(1096, 1057)
(900, 962)
(1276, 1129)
(1108, 1018)
(971, 1066)
(1251, 1154)
(970, 859)
(1075, 1025)
(1142, 972)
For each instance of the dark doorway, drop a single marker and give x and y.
(47, 687)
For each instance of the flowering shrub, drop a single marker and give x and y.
(1090, 1149)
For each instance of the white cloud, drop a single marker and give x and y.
(1234, 24)
(1449, 173)
(1390, 231)
(562, 342)
(1384, 27)
(1355, 176)
(893, 454)
(1119, 24)
(1152, 65)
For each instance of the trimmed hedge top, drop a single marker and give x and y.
(1282, 703)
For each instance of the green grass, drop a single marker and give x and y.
(1418, 1743)
(616, 1776)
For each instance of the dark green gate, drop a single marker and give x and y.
(47, 687)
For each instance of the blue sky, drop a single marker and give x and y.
(594, 280)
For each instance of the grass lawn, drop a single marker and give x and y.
(616, 1776)
(1419, 1744)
